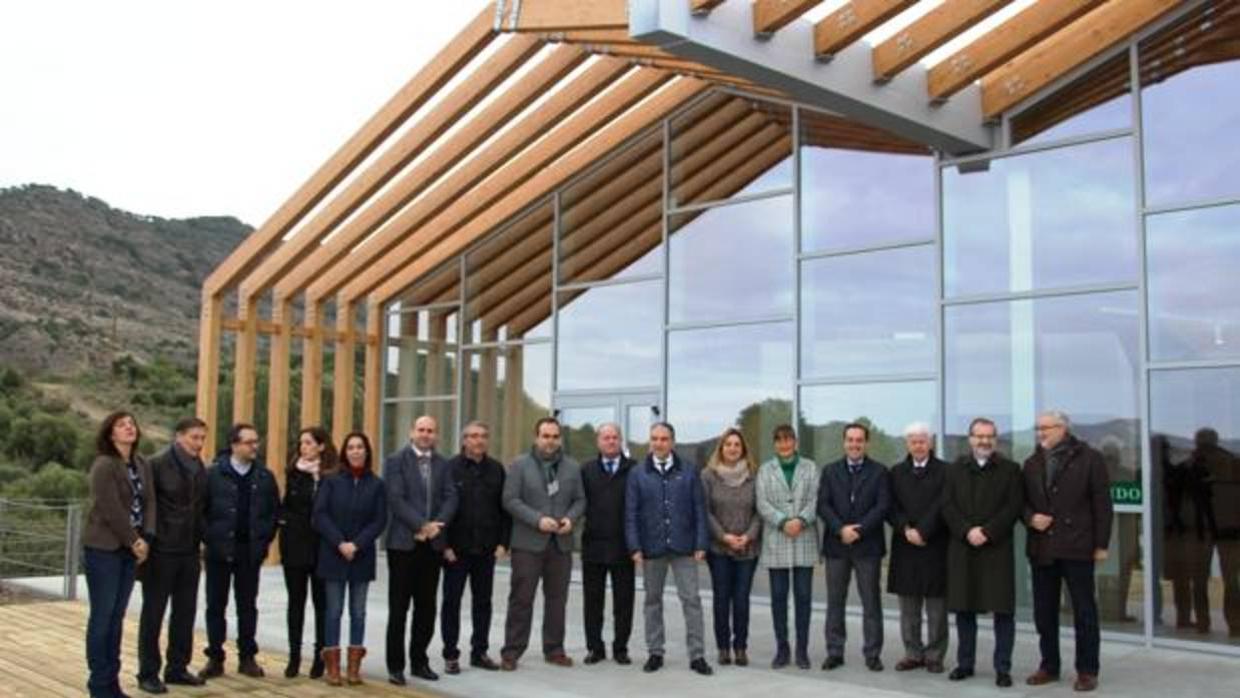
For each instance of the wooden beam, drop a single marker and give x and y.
(703, 7)
(207, 394)
(928, 32)
(770, 15)
(331, 268)
(419, 258)
(411, 229)
(1098, 31)
(454, 107)
(852, 21)
(616, 37)
(377, 128)
(245, 373)
(372, 394)
(277, 438)
(272, 327)
(1005, 41)
(563, 15)
(312, 366)
(343, 381)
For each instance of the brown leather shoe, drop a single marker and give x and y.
(331, 665)
(354, 676)
(934, 667)
(909, 664)
(559, 659)
(1085, 682)
(249, 667)
(1041, 677)
(742, 658)
(507, 664)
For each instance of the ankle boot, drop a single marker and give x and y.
(355, 665)
(294, 664)
(316, 667)
(331, 660)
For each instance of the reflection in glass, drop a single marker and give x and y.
(1195, 442)
(637, 422)
(399, 416)
(508, 281)
(579, 429)
(611, 220)
(1194, 291)
(1100, 100)
(610, 336)
(886, 407)
(1010, 359)
(1062, 217)
(443, 285)
(421, 353)
(869, 314)
(728, 146)
(1190, 107)
(731, 262)
(729, 376)
(509, 388)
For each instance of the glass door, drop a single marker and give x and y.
(582, 415)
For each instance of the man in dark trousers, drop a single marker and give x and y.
(242, 507)
(917, 573)
(853, 498)
(1068, 513)
(171, 572)
(603, 551)
(477, 536)
(982, 501)
(422, 499)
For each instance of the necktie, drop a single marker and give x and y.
(662, 465)
(611, 466)
(424, 467)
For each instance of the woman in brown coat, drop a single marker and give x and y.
(121, 518)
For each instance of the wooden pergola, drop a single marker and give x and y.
(444, 163)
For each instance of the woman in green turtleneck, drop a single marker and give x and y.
(787, 494)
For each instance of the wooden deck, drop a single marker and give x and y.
(42, 655)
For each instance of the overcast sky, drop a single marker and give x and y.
(182, 109)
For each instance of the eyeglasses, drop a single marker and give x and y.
(249, 442)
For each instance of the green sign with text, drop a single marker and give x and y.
(1126, 492)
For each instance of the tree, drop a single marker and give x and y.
(52, 482)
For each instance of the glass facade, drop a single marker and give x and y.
(751, 263)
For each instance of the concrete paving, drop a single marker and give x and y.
(1128, 669)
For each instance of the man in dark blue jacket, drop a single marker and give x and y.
(853, 497)
(242, 507)
(665, 526)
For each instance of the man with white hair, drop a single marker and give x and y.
(1068, 513)
(918, 570)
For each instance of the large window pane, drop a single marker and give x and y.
(610, 336)
(1079, 354)
(729, 376)
(508, 282)
(886, 407)
(399, 416)
(1101, 100)
(509, 388)
(727, 146)
(1195, 432)
(1194, 290)
(421, 353)
(443, 285)
(731, 262)
(1055, 218)
(869, 314)
(1190, 107)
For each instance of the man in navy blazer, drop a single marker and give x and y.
(853, 497)
(422, 499)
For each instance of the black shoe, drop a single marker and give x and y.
(483, 662)
(316, 667)
(249, 667)
(1003, 680)
(700, 666)
(452, 667)
(622, 657)
(653, 664)
(397, 678)
(874, 664)
(832, 663)
(802, 661)
(152, 685)
(293, 668)
(183, 678)
(425, 673)
(782, 657)
(213, 669)
(959, 674)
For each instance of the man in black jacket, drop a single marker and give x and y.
(603, 550)
(243, 504)
(172, 570)
(477, 535)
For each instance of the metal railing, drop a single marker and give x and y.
(41, 538)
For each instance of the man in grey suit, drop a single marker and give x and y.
(544, 495)
(422, 498)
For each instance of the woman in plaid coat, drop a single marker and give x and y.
(787, 493)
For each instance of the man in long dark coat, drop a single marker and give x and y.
(918, 569)
(982, 500)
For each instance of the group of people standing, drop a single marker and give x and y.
(951, 546)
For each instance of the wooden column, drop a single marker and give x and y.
(514, 390)
(278, 388)
(372, 394)
(312, 366)
(343, 384)
(210, 323)
(244, 373)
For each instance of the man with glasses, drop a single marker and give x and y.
(982, 500)
(1068, 513)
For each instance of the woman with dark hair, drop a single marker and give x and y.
(121, 519)
(299, 543)
(349, 514)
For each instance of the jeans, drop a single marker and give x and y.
(335, 609)
(479, 571)
(802, 590)
(966, 635)
(1047, 587)
(109, 581)
(731, 581)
